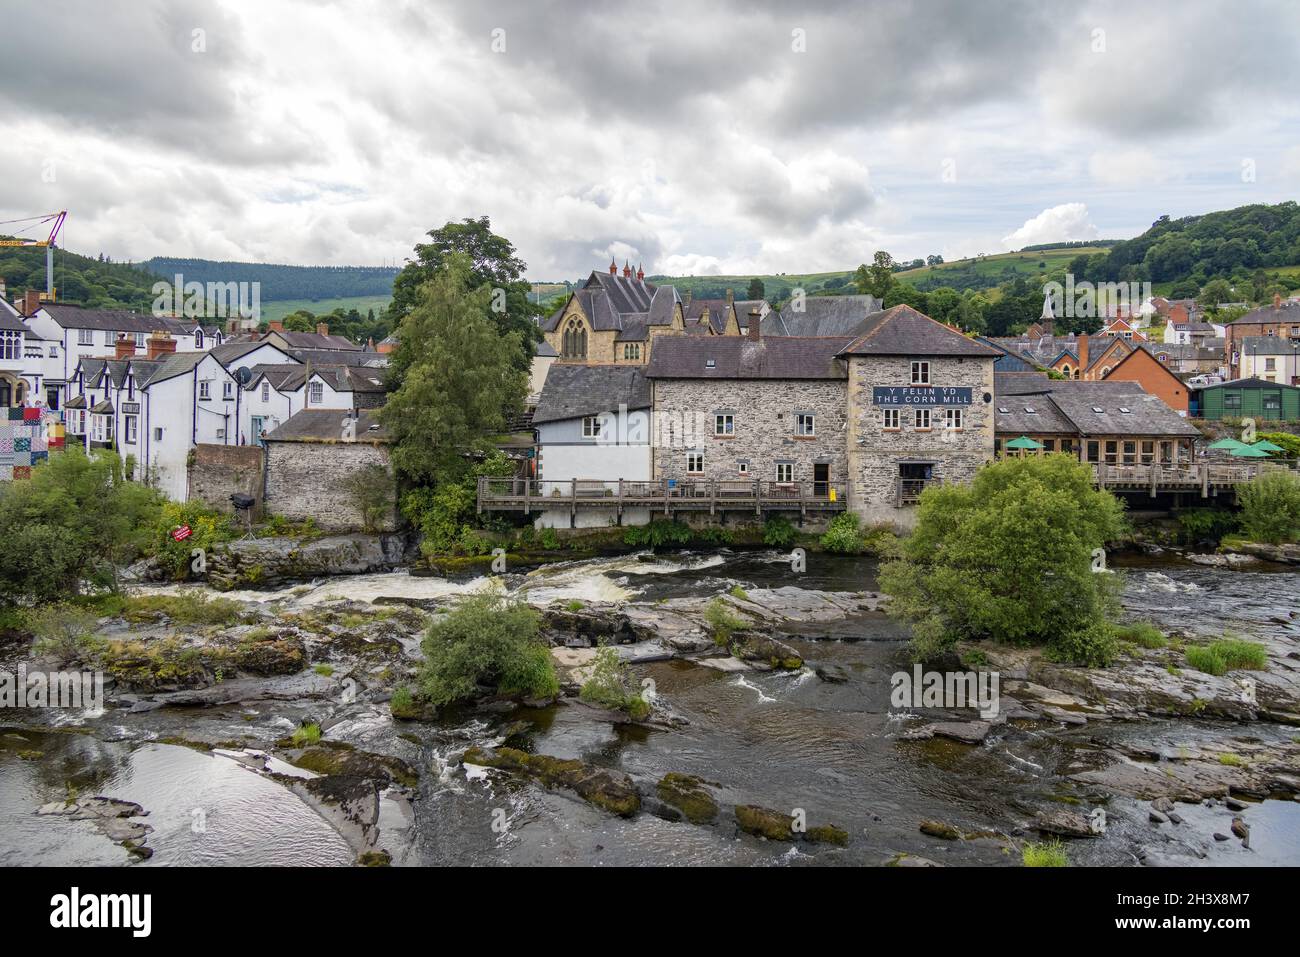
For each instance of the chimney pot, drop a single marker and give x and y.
(1277, 300)
(640, 273)
(161, 344)
(613, 267)
(627, 270)
(125, 346)
(276, 325)
(322, 329)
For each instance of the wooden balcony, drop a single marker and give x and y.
(1209, 478)
(666, 495)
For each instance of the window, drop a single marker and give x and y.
(923, 420)
(742, 468)
(1272, 404)
(1270, 365)
(632, 350)
(85, 337)
(227, 390)
(315, 393)
(221, 433)
(157, 433)
(1112, 452)
(54, 352)
(1232, 400)
(11, 344)
(954, 419)
(724, 424)
(1148, 452)
(1130, 452)
(198, 339)
(805, 423)
(891, 420)
(1049, 445)
(129, 429)
(695, 463)
(205, 390)
(266, 392)
(920, 373)
(591, 427)
(139, 340)
(573, 343)
(785, 471)
(109, 338)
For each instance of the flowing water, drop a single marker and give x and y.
(784, 741)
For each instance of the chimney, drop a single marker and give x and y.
(686, 299)
(161, 345)
(1083, 354)
(125, 347)
(276, 325)
(232, 327)
(31, 302)
(754, 332)
(640, 273)
(322, 328)
(613, 267)
(731, 296)
(627, 270)
(1277, 300)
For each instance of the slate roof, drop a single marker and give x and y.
(340, 357)
(339, 378)
(329, 426)
(1267, 345)
(719, 309)
(573, 390)
(902, 331)
(315, 340)
(821, 316)
(176, 364)
(1251, 382)
(122, 320)
(1288, 312)
(544, 349)
(1069, 406)
(11, 323)
(740, 357)
(610, 302)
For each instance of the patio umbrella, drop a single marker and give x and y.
(1267, 446)
(1024, 442)
(1249, 452)
(1229, 444)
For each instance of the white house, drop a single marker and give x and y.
(593, 423)
(1185, 333)
(277, 392)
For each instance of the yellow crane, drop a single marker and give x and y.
(56, 223)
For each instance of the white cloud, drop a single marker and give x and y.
(1064, 223)
(1132, 167)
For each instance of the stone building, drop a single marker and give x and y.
(920, 410)
(309, 460)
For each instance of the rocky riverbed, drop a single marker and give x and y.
(784, 747)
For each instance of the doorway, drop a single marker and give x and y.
(821, 479)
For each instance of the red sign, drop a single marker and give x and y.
(182, 532)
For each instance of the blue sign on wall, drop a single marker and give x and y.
(920, 395)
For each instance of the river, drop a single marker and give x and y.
(788, 741)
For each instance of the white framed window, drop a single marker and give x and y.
(221, 433)
(805, 423)
(923, 420)
(920, 373)
(315, 393)
(893, 420)
(591, 427)
(266, 392)
(205, 390)
(110, 338)
(695, 463)
(954, 419)
(157, 433)
(198, 340)
(227, 390)
(724, 424)
(139, 340)
(742, 468)
(785, 471)
(85, 337)
(129, 426)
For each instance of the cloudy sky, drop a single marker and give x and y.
(696, 137)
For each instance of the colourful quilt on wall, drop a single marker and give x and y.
(25, 440)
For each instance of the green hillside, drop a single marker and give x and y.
(983, 272)
(84, 280)
(322, 307)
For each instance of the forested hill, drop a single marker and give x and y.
(86, 280)
(284, 282)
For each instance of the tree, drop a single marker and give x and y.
(492, 262)
(1270, 507)
(880, 274)
(1215, 292)
(944, 305)
(75, 520)
(460, 377)
(1010, 557)
(905, 293)
(371, 490)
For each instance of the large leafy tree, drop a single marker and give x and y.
(492, 262)
(461, 377)
(1010, 557)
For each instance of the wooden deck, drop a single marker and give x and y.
(666, 495)
(1207, 478)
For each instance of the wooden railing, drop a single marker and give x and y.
(1204, 476)
(668, 494)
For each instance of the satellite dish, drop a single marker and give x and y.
(243, 375)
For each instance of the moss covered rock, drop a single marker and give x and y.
(827, 834)
(687, 794)
(610, 790)
(764, 822)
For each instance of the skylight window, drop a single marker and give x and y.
(1030, 409)
(710, 364)
(1098, 409)
(1003, 409)
(1125, 411)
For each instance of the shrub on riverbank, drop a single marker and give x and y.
(722, 622)
(612, 686)
(62, 631)
(183, 608)
(843, 535)
(1228, 654)
(1206, 524)
(488, 641)
(75, 520)
(1049, 854)
(208, 528)
(778, 532)
(658, 534)
(1270, 507)
(1011, 557)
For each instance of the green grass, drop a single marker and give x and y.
(188, 607)
(738, 592)
(721, 621)
(282, 307)
(1232, 760)
(1049, 854)
(994, 267)
(1141, 633)
(324, 670)
(1228, 654)
(307, 734)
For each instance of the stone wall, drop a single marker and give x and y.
(763, 412)
(875, 455)
(306, 480)
(218, 471)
